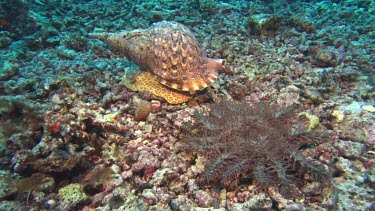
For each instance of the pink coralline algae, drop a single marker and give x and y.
(146, 165)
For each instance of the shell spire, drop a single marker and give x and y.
(125, 41)
(112, 39)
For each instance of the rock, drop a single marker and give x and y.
(149, 196)
(71, 196)
(203, 198)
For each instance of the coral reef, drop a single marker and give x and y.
(71, 196)
(36, 182)
(15, 18)
(208, 6)
(261, 25)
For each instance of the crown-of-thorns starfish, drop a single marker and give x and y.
(170, 52)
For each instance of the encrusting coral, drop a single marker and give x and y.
(171, 54)
(261, 141)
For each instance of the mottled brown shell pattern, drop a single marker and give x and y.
(170, 52)
(178, 60)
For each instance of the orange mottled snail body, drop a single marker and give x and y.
(170, 52)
